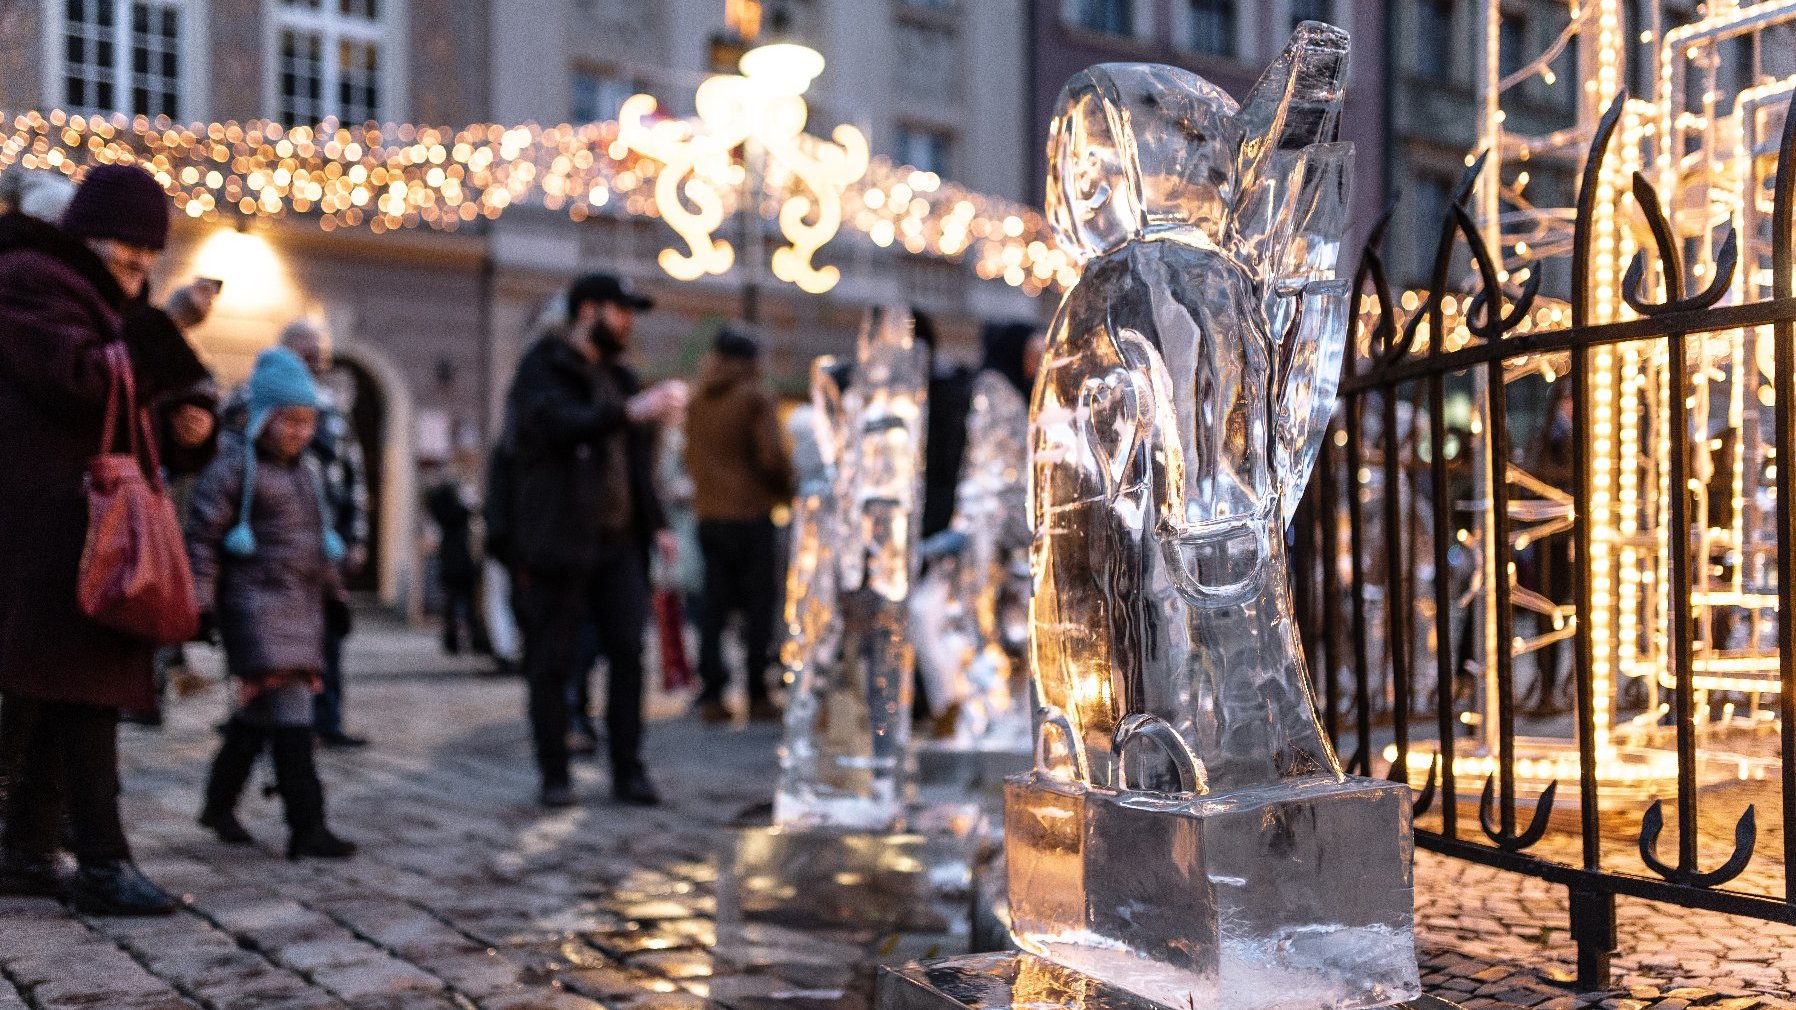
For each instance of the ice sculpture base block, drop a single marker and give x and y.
(1013, 981)
(910, 882)
(972, 769)
(813, 912)
(1296, 896)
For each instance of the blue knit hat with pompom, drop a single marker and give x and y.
(279, 379)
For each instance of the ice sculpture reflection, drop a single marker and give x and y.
(849, 657)
(973, 631)
(1188, 833)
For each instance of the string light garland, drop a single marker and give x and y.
(1708, 134)
(400, 176)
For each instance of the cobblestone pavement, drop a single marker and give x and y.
(467, 896)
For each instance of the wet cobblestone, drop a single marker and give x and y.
(467, 896)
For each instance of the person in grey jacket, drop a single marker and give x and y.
(265, 570)
(336, 455)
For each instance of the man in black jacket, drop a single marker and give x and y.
(584, 518)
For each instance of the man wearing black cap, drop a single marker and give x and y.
(584, 517)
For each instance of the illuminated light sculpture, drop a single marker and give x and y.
(394, 176)
(1719, 156)
(764, 109)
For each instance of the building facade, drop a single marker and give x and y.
(428, 325)
(1227, 42)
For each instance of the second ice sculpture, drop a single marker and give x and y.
(853, 559)
(1187, 833)
(977, 631)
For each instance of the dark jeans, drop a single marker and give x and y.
(459, 609)
(327, 711)
(579, 689)
(614, 599)
(65, 756)
(741, 577)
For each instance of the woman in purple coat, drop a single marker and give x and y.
(66, 294)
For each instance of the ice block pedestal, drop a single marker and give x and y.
(1013, 981)
(1297, 896)
(971, 771)
(812, 912)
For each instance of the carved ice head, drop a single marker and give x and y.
(1138, 148)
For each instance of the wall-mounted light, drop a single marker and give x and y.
(254, 278)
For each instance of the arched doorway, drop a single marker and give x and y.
(381, 415)
(360, 397)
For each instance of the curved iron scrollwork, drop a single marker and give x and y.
(1745, 835)
(1512, 841)
(1671, 262)
(1403, 360)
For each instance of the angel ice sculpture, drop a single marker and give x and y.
(850, 655)
(1188, 833)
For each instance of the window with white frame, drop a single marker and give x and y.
(924, 149)
(597, 97)
(1111, 17)
(123, 56)
(330, 60)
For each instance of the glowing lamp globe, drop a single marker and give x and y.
(784, 68)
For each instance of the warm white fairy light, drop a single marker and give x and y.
(385, 178)
(1630, 384)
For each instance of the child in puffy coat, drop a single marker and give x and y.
(265, 569)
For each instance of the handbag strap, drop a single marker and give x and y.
(118, 371)
(138, 436)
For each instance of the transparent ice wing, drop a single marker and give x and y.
(1308, 306)
(1296, 103)
(1318, 339)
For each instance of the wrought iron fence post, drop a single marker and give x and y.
(1595, 869)
(1593, 927)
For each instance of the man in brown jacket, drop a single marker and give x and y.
(740, 471)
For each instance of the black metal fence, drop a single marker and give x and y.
(1410, 607)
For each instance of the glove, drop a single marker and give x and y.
(947, 543)
(337, 621)
(208, 629)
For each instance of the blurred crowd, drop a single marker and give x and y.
(610, 513)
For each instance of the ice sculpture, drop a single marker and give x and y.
(849, 660)
(977, 631)
(1187, 833)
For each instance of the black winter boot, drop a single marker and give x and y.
(35, 876)
(296, 775)
(231, 769)
(117, 887)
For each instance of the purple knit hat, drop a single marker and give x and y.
(120, 202)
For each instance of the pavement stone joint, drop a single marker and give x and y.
(467, 897)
